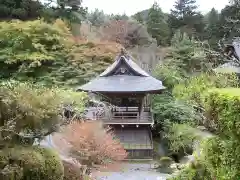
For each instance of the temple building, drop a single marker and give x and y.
(232, 55)
(127, 88)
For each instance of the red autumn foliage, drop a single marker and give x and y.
(93, 144)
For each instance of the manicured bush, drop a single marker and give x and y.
(222, 153)
(223, 108)
(33, 163)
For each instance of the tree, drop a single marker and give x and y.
(128, 33)
(185, 17)
(21, 9)
(70, 11)
(53, 59)
(229, 21)
(28, 111)
(212, 28)
(97, 18)
(139, 18)
(157, 25)
(92, 145)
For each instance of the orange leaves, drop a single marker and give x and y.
(91, 142)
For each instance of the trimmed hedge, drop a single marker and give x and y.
(223, 108)
(222, 153)
(30, 163)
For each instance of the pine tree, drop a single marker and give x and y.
(230, 20)
(212, 28)
(185, 16)
(184, 8)
(139, 18)
(157, 25)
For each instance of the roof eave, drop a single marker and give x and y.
(157, 91)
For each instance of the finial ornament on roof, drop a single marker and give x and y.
(124, 53)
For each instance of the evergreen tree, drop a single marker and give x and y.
(20, 9)
(157, 25)
(97, 18)
(139, 17)
(230, 20)
(212, 28)
(185, 16)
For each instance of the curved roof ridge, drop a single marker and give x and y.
(128, 60)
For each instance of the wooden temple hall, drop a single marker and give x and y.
(127, 88)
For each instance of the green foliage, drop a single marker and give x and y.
(97, 17)
(166, 161)
(169, 74)
(184, 16)
(194, 87)
(157, 26)
(22, 9)
(32, 163)
(180, 137)
(46, 53)
(222, 107)
(187, 54)
(196, 171)
(167, 108)
(30, 109)
(28, 48)
(71, 172)
(53, 166)
(221, 153)
(212, 27)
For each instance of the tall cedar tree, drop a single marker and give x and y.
(157, 25)
(184, 16)
(212, 28)
(229, 21)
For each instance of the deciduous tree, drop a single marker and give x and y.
(93, 145)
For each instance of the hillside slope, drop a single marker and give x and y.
(48, 54)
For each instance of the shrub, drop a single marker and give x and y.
(53, 166)
(31, 163)
(180, 138)
(167, 108)
(165, 161)
(196, 171)
(194, 87)
(222, 108)
(71, 172)
(91, 144)
(221, 153)
(32, 109)
(48, 54)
